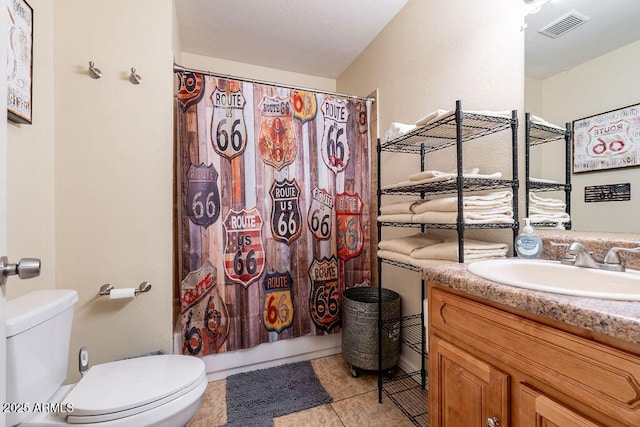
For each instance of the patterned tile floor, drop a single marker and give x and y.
(355, 401)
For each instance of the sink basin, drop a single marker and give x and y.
(552, 276)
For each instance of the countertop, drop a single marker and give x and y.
(617, 319)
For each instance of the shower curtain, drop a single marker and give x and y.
(273, 200)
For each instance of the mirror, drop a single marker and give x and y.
(588, 70)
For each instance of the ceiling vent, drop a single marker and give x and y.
(564, 24)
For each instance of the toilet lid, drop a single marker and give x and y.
(120, 389)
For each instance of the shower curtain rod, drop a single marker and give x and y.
(179, 68)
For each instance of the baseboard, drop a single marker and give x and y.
(221, 365)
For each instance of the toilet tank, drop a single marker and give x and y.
(38, 334)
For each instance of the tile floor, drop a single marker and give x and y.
(355, 401)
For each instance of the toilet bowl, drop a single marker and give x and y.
(159, 390)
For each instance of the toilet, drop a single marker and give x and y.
(159, 390)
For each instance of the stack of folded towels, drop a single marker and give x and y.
(430, 176)
(542, 209)
(423, 249)
(490, 208)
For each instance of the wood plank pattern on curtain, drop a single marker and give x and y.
(274, 218)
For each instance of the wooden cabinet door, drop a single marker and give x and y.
(538, 410)
(463, 389)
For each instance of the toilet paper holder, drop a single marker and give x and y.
(144, 287)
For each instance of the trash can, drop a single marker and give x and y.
(360, 328)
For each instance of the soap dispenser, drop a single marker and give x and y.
(528, 244)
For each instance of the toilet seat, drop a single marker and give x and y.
(120, 389)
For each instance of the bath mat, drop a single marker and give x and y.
(254, 398)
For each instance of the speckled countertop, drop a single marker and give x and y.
(617, 319)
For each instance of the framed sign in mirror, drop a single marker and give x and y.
(608, 140)
(19, 61)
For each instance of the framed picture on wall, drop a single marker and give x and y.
(19, 60)
(608, 140)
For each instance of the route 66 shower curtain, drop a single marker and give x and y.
(274, 189)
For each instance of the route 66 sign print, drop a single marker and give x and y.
(324, 299)
(349, 224)
(190, 89)
(228, 128)
(335, 147)
(203, 197)
(207, 318)
(286, 218)
(244, 251)
(277, 142)
(278, 304)
(319, 218)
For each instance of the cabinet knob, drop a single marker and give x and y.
(493, 422)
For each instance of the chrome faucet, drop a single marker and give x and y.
(612, 259)
(577, 254)
(582, 256)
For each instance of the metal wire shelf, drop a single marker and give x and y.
(410, 397)
(442, 133)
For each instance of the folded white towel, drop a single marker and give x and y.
(533, 209)
(540, 121)
(407, 244)
(398, 129)
(433, 217)
(426, 176)
(473, 250)
(396, 218)
(481, 203)
(550, 217)
(433, 116)
(406, 259)
(549, 181)
(400, 207)
(545, 202)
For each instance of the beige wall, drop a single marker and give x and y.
(249, 71)
(602, 84)
(113, 171)
(430, 55)
(31, 169)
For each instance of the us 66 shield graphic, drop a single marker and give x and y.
(278, 304)
(203, 197)
(350, 239)
(319, 218)
(335, 147)
(228, 128)
(244, 251)
(286, 218)
(324, 299)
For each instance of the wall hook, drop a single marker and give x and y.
(93, 71)
(134, 78)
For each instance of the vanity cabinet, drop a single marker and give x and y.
(489, 367)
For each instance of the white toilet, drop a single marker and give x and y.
(160, 390)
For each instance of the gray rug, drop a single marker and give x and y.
(254, 398)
